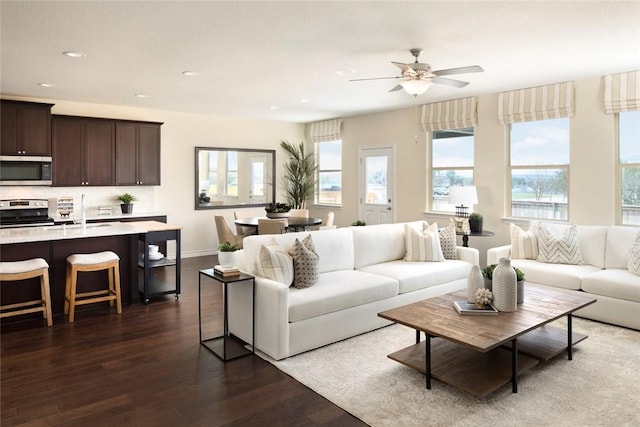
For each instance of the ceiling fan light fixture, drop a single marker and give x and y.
(416, 87)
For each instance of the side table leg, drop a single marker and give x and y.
(569, 340)
(200, 306)
(427, 344)
(514, 365)
(417, 336)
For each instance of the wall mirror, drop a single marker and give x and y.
(234, 177)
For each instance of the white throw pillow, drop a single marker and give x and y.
(275, 263)
(423, 245)
(524, 244)
(634, 257)
(448, 242)
(559, 249)
(305, 263)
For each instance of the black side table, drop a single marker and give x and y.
(227, 346)
(465, 237)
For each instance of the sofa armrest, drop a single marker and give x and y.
(494, 254)
(470, 255)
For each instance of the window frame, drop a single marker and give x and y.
(319, 171)
(620, 166)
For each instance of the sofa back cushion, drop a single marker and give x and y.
(593, 239)
(334, 248)
(374, 244)
(619, 240)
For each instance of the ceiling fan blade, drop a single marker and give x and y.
(395, 88)
(375, 78)
(459, 70)
(406, 68)
(449, 82)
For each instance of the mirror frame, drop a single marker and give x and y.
(198, 206)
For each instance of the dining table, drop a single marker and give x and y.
(296, 223)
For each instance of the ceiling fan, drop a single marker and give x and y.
(418, 76)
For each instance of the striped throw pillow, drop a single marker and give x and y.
(559, 249)
(634, 257)
(275, 263)
(524, 244)
(305, 263)
(423, 244)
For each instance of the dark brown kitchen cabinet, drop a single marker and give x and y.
(137, 153)
(26, 128)
(83, 151)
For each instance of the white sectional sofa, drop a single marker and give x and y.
(604, 274)
(361, 272)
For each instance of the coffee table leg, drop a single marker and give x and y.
(569, 341)
(417, 336)
(427, 344)
(514, 365)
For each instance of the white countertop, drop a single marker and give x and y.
(114, 216)
(61, 232)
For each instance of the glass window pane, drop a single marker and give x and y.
(629, 131)
(539, 193)
(453, 148)
(330, 155)
(376, 180)
(257, 178)
(442, 179)
(330, 188)
(543, 142)
(631, 195)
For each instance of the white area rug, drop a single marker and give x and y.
(600, 387)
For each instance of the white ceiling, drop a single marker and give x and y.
(255, 55)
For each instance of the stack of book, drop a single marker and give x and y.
(226, 271)
(464, 307)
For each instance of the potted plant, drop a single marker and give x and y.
(487, 273)
(227, 254)
(358, 223)
(126, 199)
(299, 177)
(278, 210)
(475, 222)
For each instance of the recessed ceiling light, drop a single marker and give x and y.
(141, 95)
(345, 72)
(304, 100)
(191, 73)
(72, 54)
(273, 107)
(46, 84)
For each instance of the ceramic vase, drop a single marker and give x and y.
(227, 259)
(504, 286)
(474, 282)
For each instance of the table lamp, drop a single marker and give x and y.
(462, 198)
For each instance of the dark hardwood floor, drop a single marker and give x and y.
(146, 367)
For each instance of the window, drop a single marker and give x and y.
(329, 181)
(539, 168)
(232, 173)
(451, 164)
(629, 149)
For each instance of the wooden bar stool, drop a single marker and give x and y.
(21, 270)
(92, 262)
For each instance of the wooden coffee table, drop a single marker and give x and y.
(473, 351)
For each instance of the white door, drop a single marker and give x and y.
(376, 185)
(258, 179)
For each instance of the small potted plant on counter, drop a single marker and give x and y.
(126, 200)
(227, 254)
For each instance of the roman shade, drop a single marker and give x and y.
(536, 103)
(453, 114)
(327, 130)
(622, 92)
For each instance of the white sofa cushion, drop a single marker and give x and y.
(423, 243)
(418, 275)
(615, 283)
(565, 276)
(524, 244)
(339, 290)
(558, 248)
(275, 263)
(593, 241)
(305, 263)
(619, 240)
(373, 244)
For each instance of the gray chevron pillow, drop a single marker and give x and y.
(559, 249)
(634, 257)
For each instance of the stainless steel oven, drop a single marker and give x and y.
(24, 213)
(25, 170)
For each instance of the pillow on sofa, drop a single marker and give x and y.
(524, 244)
(305, 263)
(423, 244)
(634, 257)
(447, 237)
(559, 249)
(275, 263)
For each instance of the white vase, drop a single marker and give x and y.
(227, 259)
(504, 286)
(474, 282)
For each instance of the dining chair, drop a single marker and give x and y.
(300, 213)
(328, 223)
(272, 226)
(225, 234)
(240, 230)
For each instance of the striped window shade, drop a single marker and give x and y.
(536, 103)
(327, 130)
(453, 114)
(622, 92)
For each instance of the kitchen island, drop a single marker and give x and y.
(55, 243)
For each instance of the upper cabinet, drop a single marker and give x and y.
(83, 151)
(137, 153)
(26, 128)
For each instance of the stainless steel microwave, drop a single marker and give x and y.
(25, 170)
